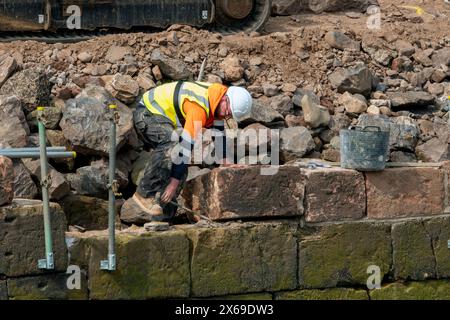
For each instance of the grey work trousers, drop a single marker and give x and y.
(156, 132)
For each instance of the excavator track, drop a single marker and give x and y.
(224, 16)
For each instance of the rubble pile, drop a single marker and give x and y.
(310, 77)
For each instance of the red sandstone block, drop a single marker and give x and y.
(405, 192)
(243, 192)
(334, 194)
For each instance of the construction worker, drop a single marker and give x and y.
(162, 110)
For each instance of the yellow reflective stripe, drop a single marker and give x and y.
(196, 92)
(155, 108)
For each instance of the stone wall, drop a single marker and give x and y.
(320, 252)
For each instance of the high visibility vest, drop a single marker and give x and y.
(167, 100)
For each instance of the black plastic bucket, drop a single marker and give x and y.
(364, 148)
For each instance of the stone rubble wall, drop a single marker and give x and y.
(325, 256)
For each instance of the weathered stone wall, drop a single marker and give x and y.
(321, 252)
(263, 260)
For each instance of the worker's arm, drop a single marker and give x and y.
(195, 121)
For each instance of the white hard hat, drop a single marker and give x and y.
(240, 102)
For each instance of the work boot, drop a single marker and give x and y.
(148, 205)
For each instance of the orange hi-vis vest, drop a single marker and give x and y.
(167, 99)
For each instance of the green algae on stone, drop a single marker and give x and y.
(251, 296)
(46, 287)
(3, 290)
(340, 254)
(325, 294)
(149, 265)
(243, 258)
(413, 257)
(439, 231)
(22, 239)
(425, 290)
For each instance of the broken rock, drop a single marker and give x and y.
(315, 115)
(31, 86)
(295, 142)
(6, 180)
(172, 68)
(85, 122)
(14, 129)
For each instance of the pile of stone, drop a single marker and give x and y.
(388, 82)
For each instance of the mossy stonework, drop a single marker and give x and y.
(339, 254)
(281, 260)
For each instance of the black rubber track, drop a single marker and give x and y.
(223, 24)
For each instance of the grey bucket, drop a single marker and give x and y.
(364, 148)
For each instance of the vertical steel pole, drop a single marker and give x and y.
(110, 264)
(48, 262)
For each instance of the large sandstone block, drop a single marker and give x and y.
(6, 180)
(243, 258)
(46, 287)
(426, 290)
(439, 231)
(22, 237)
(327, 294)
(149, 265)
(87, 212)
(243, 192)
(334, 194)
(413, 257)
(339, 254)
(14, 129)
(405, 192)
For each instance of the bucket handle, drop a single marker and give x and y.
(364, 128)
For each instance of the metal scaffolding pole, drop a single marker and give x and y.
(110, 263)
(28, 149)
(48, 262)
(37, 154)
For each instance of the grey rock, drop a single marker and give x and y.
(409, 99)
(401, 156)
(315, 115)
(7, 67)
(282, 103)
(31, 86)
(59, 186)
(86, 125)
(6, 180)
(339, 40)
(441, 57)
(270, 90)
(172, 68)
(300, 93)
(404, 131)
(295, 142)
(262, 113)
(434, 150)
(405, 48)
(51, 117)
(93, 180)
(13, 126)
(24, 186)
(357, 79)
(338, 122)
